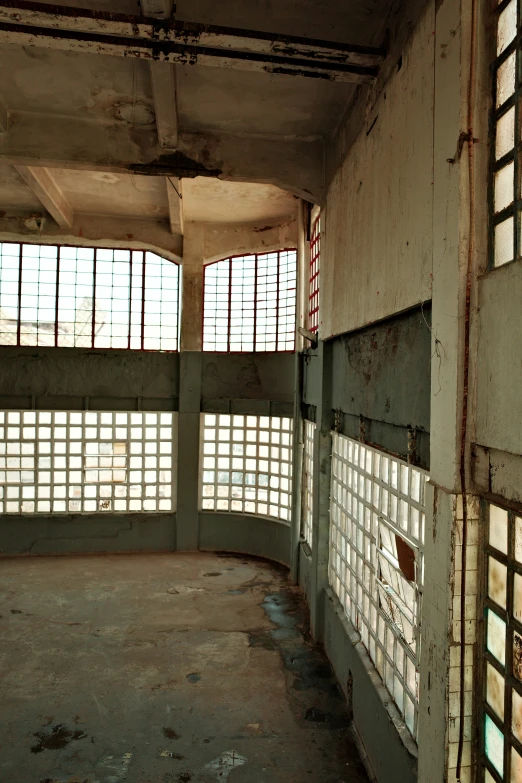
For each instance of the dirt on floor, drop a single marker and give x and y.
(171, 668)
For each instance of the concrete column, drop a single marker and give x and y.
(297, 464)
(439, 712)
(187, 517)
(321, 495)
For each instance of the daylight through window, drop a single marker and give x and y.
(87, 298)
(250, 303)
(86, 461)
(247, 464)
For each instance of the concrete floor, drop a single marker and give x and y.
(164, 669)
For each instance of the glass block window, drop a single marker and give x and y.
(64, 462)
(377, 522)
(502, 673)
(246, 464)
(506, 200)
(87, 298)
(308, 482)
(250, 303)
(315, 265)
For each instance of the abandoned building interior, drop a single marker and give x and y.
(260, 391)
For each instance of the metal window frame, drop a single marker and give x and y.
(256, 256)
(95, 250)
(512, 625)
(83, 441)
(514, 209)
(315, 268)
(283, 518)
(354, 587)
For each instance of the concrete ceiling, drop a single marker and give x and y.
(106, 127)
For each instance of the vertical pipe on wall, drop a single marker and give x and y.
(298, 393)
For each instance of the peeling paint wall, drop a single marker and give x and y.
(381, 382)
(261, 376)
(75, 378)
(378, 215)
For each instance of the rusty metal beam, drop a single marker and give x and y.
(174, 41)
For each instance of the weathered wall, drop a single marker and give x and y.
(236, 376)
(390, 749)
(382, 374)
(499, 395)
(242, 533)
(65, 377)
(378, 216)
(87, 533)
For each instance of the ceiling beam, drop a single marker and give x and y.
(96, 230)
(175, 200)
(174, 41)
(164, 83)
(164, 91)
(46, 190)
(74, 143)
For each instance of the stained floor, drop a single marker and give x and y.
(171, 668)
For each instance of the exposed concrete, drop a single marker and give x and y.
(499, 402)
(260, 536)
(390, 749)
(258, 376)
(227, 239)
(170, 668)
(188, 450)
(75, 143)
(41, 181)
(379, 248)
(94, 231)
(305, 571)
(497, 473)
(434, 667)
(77, 378)
(42, 534)
(382, 374)
(322, 461)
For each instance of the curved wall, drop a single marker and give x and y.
(249, 535)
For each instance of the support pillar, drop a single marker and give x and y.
(187, 517)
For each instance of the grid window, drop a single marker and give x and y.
(86, 462)
(308, 482)
(506, 198)
(87, 297)
(315, 266)
(376, 565)
(247, 464)
(250, 303)
(502, 671)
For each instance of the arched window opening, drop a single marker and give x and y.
(250, 303)
(62, 296)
